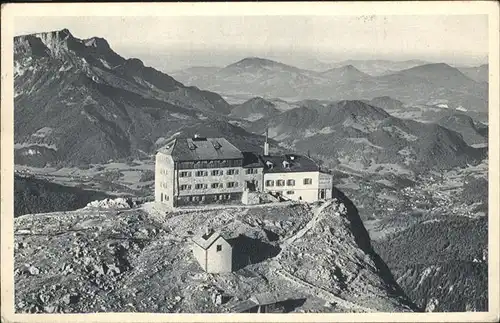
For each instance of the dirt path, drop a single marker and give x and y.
(313, 289)
(299, 234)
(322, 293)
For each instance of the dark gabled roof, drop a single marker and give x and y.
(193, 149)
(207, 240)
(251, 160)
(297, 163)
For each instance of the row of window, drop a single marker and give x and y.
(286, 192)
(201, 198)
(200, 186)
(163, 171)
(215, 172)
(210, 164)
(163, 184)
(290, 182)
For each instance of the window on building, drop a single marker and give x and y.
(166, 197)
(232, 184)
(232, 172)
(290, 192)
(185, 174)
(184, 187)
(269, 183)
(219, 247)
(251, 171)
(216, 172)
(280, 182)
(308, 181)
(290, 182)
(200, 186)
(200, 173)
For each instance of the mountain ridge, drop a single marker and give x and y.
(354, 132)
(421, 84)
(94, 104)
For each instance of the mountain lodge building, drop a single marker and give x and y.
(198, 170)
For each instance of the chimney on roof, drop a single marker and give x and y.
(266, 145)
(208, 233)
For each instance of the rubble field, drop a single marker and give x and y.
(139, 259)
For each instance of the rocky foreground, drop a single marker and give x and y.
(317, 257)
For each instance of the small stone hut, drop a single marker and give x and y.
(213, 252)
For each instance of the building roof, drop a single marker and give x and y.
(207, 240)
(193, 149)
(251, 160)
(289, 164)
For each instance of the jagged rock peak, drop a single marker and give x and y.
(50, 37)
(55, 42)
(96, 42)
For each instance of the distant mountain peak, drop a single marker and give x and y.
(255, 60)
(432, 66)
(256, 99)
(259, 63)
(348, 70)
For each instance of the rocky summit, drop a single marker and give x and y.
(314, 258)
(77, 101)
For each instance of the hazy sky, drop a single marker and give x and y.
(170, 43)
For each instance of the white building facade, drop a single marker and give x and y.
(212, 170)
(296, 177)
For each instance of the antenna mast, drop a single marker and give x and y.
(266, 144)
